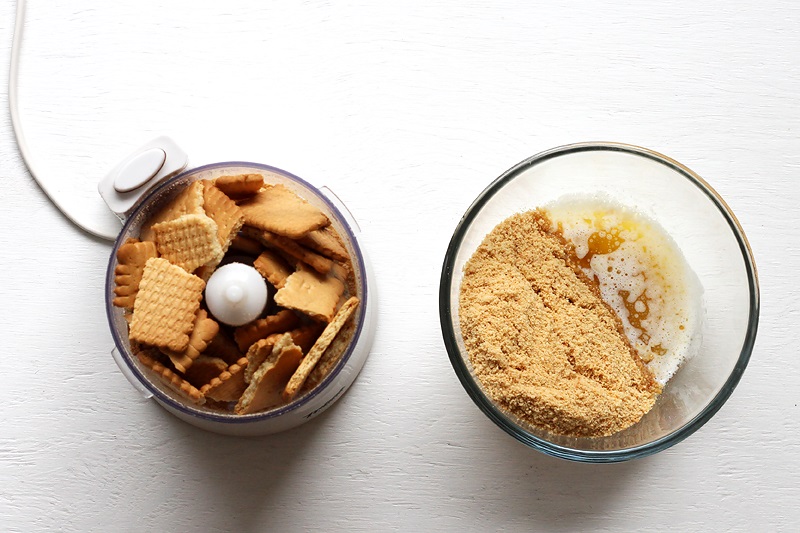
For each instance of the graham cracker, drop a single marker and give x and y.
(303, 337)
(265, 386)
(278, 210)
(131, 258)
(313, 356)
(310, 293)
(258, 353)
(332, 355)
(166, 305)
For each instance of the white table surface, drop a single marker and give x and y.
(407, 110)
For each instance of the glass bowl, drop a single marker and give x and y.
(705, 230)
(304, 407)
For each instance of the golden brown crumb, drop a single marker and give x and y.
(542, 343)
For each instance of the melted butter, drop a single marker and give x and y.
(641, 274)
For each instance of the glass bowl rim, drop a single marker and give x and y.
(503, 421)
(254, 417)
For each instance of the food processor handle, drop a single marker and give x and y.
(136, 175)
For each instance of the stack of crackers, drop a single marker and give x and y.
(302, 334)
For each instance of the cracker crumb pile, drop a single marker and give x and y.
(542, 343)
(282, 354)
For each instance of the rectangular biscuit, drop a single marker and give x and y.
(332, 355)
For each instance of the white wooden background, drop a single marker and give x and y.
(407, 110)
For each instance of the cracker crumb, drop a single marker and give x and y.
(543, 344)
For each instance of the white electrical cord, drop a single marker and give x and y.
(13, 105)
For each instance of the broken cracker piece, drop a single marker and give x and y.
(311, 294)
(281, 321)
(240, 185)
(131, 258)
(224, 212)
(172, 380)
(312, 358)
(279, 210)
(274, 269)
(246, 245)
(290, 248)
(229, 219)
(331, 356)
(166, 305)
(188, 201)
(188, 241)
(228, 386)
(258, 353)
(224, 347)
(204, 369)
(326, 242)
(205, 329)
(268, 381)
(304, 337)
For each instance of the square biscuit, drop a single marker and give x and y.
(166, 305)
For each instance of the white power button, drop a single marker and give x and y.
(139, 170)
(136, 175)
